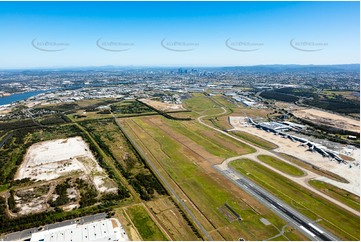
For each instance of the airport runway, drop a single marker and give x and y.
(303, 224)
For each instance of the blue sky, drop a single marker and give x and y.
(193, 33)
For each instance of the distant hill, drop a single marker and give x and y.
(295, 68)
(250, 69)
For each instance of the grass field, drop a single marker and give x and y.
(222, 100)
(314, 169)
(110, 134)
(280, 165)
(172, 220)
(214, 142)
(202, 105)
(206, 188)
(144, 224)
(337, 220)
(343, 196)
(262, 143)
(211, 106)
(112, 137)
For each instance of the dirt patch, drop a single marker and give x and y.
(329, 119)
(167, 107)
(31, 200)
(63, 157)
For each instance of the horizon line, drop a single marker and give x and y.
(166, 66)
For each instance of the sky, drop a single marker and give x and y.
(76, 34)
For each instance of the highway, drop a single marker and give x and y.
(299, 221)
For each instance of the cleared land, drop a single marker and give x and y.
(280, 165)
(146, 227)
(346, 197)
(328, 119)
(50, 160)
(337, 220)
(31, 200)
(166, 107)
(202, 188)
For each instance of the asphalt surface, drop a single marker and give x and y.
(303, 224)
(25, 234)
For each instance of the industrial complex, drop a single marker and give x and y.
(103, 230)
(277, 128)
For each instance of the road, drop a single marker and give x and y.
(25, 234)
(299, 221)
(303, 181)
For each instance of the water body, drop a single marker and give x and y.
(19, 97)
(22, 96)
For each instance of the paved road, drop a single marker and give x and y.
(303, 181)
(300, 222)
(25, 234)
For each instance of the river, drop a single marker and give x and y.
(19, 97)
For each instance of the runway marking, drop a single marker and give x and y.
(313, 226)
(307, 231)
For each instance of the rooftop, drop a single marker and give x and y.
(103, 230)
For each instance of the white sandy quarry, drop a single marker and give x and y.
(56, 158)
(297, 150)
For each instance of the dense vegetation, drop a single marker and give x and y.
(12, 153)
(11, 202)
(166, 114)
(62, 198)
(145, 185)
(88, 193)
(35, 220)
(338, 104)
(130, 107)
(274, 94)
(333, 102)
(13, 150)
(142, 179)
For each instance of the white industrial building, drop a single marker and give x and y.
(103, 230)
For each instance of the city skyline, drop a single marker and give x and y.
(78, 34)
